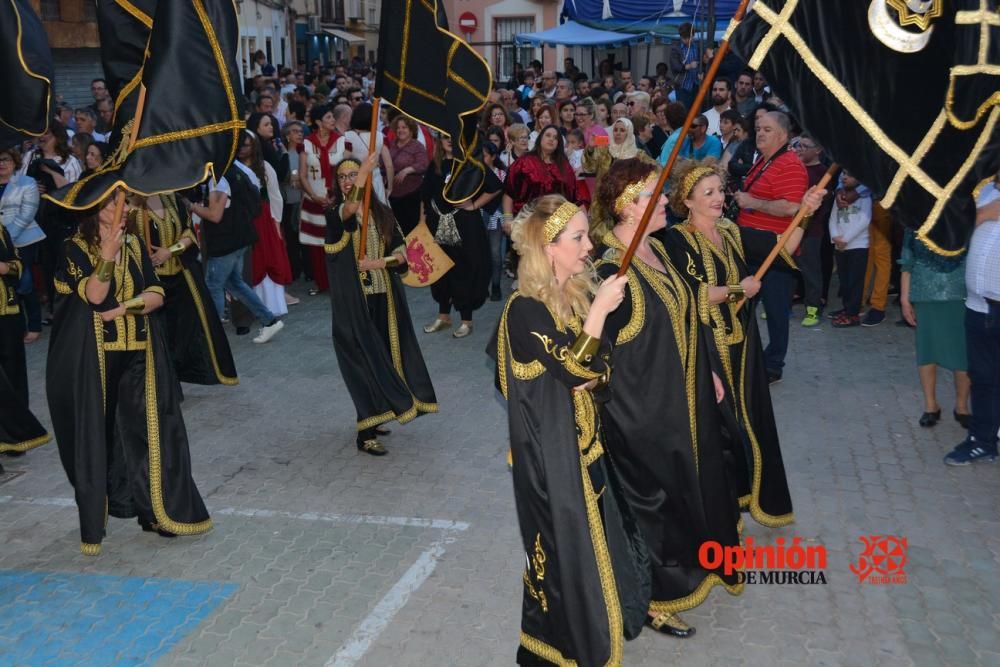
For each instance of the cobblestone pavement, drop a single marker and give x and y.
(322, 555)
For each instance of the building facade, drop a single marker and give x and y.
(268, 26)
(334, 31)
(71, 26)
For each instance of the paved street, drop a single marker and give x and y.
(325, 556)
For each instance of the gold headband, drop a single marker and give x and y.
(693, 177)
(346, 165)
(557, 221)
(629, 195)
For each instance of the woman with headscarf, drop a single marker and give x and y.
(586, 581)
(380, 360)
(113, 395)
(598, 159)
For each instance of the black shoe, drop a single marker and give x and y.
(15, 454)
(382, 431)
(962, 419)
(242, 331)
(834, 314)
(1, 468)
(155, 528)
(873, 318)
(670, 624)
(495, 293)
(773, 377)
(929, 419)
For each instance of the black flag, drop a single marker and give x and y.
(902, 93)
(26, 62)
(439, 80)
(124, 27)
(191, 120)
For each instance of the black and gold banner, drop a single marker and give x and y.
(192, 116)
(903, 93)
(124, 27)
(436, 78)
(26, 63)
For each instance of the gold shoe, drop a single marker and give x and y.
(437, 325)
(510, 459)
(463, 330)
(670, 624)
(373, 447)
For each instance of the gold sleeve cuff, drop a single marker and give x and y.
(584, 348)
(177, 248)
(155, 289)
(736, 292)
(390, 261)
(355, 194)
(804, 223)
(104, 270)
(135, 305)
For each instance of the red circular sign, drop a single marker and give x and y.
(468, 22)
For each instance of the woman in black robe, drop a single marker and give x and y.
(663, 422)
(113, 394)
(373, 337)
(466, 285)
(198, 343)
(586, 576)
(19, 429)
(715, 254)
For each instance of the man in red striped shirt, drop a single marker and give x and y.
(771, 193)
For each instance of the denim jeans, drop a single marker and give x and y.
(498, 250)
(776, 295)
(226, 273)
(982, 336)
(26, 285)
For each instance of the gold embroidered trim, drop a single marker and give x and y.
(334, 248)
(696, 597)
(88, 549)
(25, 445)
(543, 650)
(32, 74)
(200, 307)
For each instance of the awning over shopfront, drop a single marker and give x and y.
(571, 33)
(344, 35)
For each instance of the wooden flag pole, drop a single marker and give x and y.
(372, 145)
(693, 113)
(120, 197)
(801, 213)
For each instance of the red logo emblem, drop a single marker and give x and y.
(882, 561)
(419, 260)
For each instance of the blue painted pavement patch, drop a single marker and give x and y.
(96, 620)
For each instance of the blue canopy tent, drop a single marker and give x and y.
(572, 33)
(643, 16)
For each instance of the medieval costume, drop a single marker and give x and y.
(664, 434)
(113, 395)
(198, 344)
(319, 172)
(586, 573)
(380, 360)
(466, 285)
(19, 429)
(270, 270)
(756, 467)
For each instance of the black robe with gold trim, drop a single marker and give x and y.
(20, 430)
(755, 464)
(664, 430)
(586, 577)
(79, 352)
(379, 357)
(198, 343)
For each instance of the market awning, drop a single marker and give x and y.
(572, 33)
(346, 36)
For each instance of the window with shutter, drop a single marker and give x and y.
(507, 52)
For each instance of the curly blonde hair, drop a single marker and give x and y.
(680, 189)
(534, 272)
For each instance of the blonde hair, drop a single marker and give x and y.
(534, 272)
(680, 188)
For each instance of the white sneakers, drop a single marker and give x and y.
(269, 332)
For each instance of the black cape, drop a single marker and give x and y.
(75, 384)
(755, 464)
(378, 353)
(664, 430)
(586, 580)
(19, 429)
(197, 340)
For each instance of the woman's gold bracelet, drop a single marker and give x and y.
(390, 261)
(177, 248)
(584, 348)
(135, 305)
(736, 292)
(355, 194)
(104, 269)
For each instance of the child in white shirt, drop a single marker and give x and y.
(849, 234)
